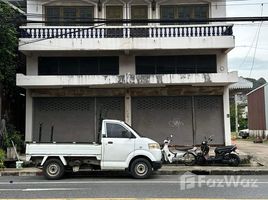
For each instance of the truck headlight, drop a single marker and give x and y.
(154, 146)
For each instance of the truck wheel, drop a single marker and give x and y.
(141, 168)
(53, 169)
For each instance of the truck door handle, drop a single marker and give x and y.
(110, 142)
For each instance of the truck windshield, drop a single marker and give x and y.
(134, 130)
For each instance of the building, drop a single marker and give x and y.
(238, 97)
(258, 111)
(165, 78)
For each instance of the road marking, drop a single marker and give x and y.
(132, 199)
(124, 182)
(43, 189)
(51, 189)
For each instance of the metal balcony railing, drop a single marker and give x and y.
(126, 31)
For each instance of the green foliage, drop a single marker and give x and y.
(8, 48)
(243, 123)
(2, 157)
(232, 117)
(12, 135)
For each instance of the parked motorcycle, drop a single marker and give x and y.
(223, 155)
(183, 155)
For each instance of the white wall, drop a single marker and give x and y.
(126, 59)
(35, 7)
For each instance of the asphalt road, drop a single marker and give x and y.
(159, 186)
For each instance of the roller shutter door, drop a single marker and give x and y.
(209, 118)
(189, 119)
(159, 117)
(75, 119)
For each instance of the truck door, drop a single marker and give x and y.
(118, 143)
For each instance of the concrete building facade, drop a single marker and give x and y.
(161, 78)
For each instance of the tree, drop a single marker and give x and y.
(243, 122)
(8, 53)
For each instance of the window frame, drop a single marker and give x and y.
(193, 8)
(133, 136)
(100, 66)
(61, 20)
(122, 16)
(131, 14)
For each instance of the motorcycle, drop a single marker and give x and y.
(223, 155)
(183, 155)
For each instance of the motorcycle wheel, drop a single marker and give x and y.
(189, 159)
(234, 160)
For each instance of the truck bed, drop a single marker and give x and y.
(64, 149)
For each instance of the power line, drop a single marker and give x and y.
(167, 21)
(257, 42)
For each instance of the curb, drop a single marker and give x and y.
(214, 172)
(3, 173)
(221, 171)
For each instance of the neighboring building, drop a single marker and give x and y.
(240, 89)
(161, 78)
(238, 97)
(258, 111)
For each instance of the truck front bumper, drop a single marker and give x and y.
(157, 165)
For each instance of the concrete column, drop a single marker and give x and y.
(128, 108)
(226, 113)
(32, 65)
(127, 64)
(29, 117)
(236, 114)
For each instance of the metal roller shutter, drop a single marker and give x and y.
(75, 119)
(159, 117)
(209, 118)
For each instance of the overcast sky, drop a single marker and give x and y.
(241, 58)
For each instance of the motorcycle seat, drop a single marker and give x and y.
(183, 148)
(225, 148)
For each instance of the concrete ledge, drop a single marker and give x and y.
(130, 80)
(212, 170)
(21, 172)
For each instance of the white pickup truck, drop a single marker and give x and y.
(119, 148)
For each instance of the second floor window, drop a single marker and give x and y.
(185, 12)
(66, 15)
(106, 65)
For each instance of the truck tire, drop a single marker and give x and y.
(53, 169)
(141, 168)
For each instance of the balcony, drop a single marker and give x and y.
(44, 38)
(127, 80)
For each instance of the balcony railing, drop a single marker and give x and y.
(126, 32)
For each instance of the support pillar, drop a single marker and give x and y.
(29, 117)
(128, 108)
(226, 113)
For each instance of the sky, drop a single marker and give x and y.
(250, 55)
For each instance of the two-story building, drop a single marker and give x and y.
(161, 78)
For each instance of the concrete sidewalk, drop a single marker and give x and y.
(257, 151)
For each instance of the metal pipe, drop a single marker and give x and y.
(40, 132)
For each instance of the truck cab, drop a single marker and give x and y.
(119, 147)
